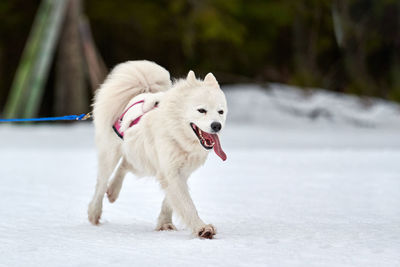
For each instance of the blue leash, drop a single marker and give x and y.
(80, 117)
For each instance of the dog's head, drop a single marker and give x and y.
(203, 110)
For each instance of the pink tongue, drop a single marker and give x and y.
(217, 147)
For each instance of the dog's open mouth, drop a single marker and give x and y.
(208, 140)
(205, 138)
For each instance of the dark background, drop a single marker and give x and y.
(347, 46)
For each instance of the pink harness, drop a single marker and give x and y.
(117, 124)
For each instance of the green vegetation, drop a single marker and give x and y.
(345, 45)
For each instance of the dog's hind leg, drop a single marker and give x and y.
(107, 161)
(165, 217)
(116, 183)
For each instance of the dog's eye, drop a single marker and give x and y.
(202, 110)
(221, 112)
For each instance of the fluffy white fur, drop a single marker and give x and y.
(162, 144)
(132, 113)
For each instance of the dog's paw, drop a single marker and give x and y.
(166, 227)
(112, 195)
(94, 214)
(207, 231)
(113, 190)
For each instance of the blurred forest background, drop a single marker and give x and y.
(349, 46)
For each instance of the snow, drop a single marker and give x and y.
(296, 190)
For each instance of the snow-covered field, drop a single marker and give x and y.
(309, 181)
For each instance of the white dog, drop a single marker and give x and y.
(172, 139)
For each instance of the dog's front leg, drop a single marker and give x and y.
(177, 194)
(165, 217)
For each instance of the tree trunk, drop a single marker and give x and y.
(71, 96)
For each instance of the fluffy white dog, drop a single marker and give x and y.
(176, 131)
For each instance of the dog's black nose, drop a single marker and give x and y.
(216, 126)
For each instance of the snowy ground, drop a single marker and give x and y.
(300, 188)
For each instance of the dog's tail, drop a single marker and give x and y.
(124, 82)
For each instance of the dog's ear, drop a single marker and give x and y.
(210, 80)
(191, 77)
